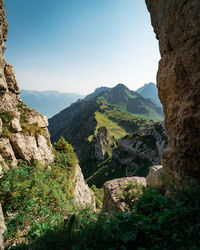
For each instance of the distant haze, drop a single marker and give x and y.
(79, 45)
(48, 102)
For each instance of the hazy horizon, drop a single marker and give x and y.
(55, 90)
(74, 46)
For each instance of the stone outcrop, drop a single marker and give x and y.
(113, 189)
(146, 146)
(15, 126)
(82, 194)
(23, 131)
(30, 148)
(149, 144)
(155, 177)
(103, 144)
(41, 120)
(177, 27)
(7, 153)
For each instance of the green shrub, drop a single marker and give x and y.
(35, 198)
(131, 193)
(63, 146)
(6, 117)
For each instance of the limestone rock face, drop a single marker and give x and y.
(15, 125)
(6, 151)
(30, 148)
(177, 27)
(155, 177)
(113, 189)
(148, 145)
(38, 118)
(3, 35)
(103, 144)
(10, 79)
(83, 195)
(24, 130)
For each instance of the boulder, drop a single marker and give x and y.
(30, 148)
(155, 177)
(10, 79)
(113, 189)
(7, 152)
(15, 125)
(35, 117)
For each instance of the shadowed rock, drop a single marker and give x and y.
(177, 27)
(114, 188)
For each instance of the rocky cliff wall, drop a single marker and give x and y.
(23, 131)
(82, 193)
(177, 27)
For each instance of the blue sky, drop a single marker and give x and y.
(78, 45)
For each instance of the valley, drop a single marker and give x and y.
(98, 125)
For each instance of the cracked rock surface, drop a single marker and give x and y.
(177, 27)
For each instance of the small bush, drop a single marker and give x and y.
(36, 199)
(6, 117)
(63, 146)
(131, 193)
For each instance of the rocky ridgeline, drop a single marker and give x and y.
(177, 27)
(120, 194)
(130, 156)
(147, 145)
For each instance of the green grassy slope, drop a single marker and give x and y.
(118, 109)
(73, 119)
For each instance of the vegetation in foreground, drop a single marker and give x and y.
(40, 212)
(44, 217)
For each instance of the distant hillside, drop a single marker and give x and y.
(132, 155)
(112, 104)
(96, 93)
(119, 109)
(48, 103)
(150, 91)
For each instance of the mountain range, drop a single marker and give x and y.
(150, 91)
(108, 106)
(119, 110)
(48, 103)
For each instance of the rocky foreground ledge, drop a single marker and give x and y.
(116, 192)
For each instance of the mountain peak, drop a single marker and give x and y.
(121, 86)
(150, 91)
